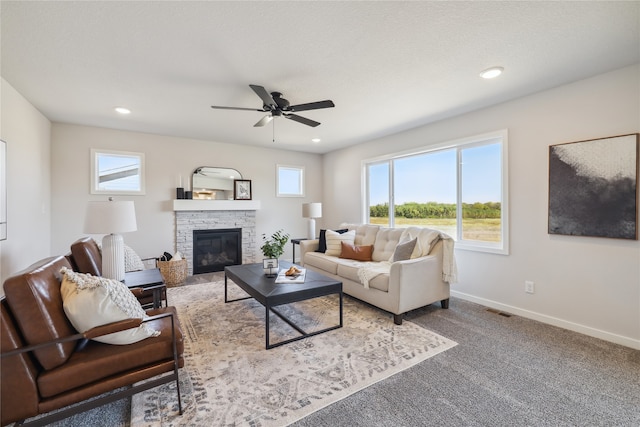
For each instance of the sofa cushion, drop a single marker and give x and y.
(365, 233)
(321, 261)
(348, 269)
(386, 241)
(322, 240)
(359, 253)
(91, 301)
(35, 301)
(334, 239)
(404, 250)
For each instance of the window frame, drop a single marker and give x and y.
(279, 190)
(500, 136)
(95, 156)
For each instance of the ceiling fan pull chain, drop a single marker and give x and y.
(274, 131)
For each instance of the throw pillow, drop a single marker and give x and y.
(322, 240)
(91, 301)
(358, 253)
(403, 251)
(132, 261)
(334, 239)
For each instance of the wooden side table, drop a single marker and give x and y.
(295, 242)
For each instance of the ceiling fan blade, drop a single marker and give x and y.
(263, 121)
(302, 120)
(235, 108)
(312, 106)
(264, 95)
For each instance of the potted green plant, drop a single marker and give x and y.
(272, 248)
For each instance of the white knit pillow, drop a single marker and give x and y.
(91, 301)
(334, 241)
(132, 261)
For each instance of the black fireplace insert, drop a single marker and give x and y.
(214, 249)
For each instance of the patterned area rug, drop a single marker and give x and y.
(230, 379)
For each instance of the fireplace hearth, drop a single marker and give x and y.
(214, 249)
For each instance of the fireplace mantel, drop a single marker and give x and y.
(215, 205)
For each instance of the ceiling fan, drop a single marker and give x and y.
(277, 106)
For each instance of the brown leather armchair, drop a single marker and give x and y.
(47, 365)
(85, 257)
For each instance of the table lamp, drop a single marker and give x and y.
(312, 211)
(111, 218)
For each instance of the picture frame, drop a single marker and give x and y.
(593, 187)
(241, 189)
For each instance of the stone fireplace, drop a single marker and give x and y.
(196, 215)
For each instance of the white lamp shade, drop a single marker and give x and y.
(312, 210)
(110, 217)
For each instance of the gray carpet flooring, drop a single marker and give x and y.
(505, 371)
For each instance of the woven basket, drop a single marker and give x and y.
(173, 272)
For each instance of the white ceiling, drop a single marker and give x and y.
(388, 66)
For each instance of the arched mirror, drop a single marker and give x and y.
(212, 183)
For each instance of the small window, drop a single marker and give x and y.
(117, 172)
(290, 181)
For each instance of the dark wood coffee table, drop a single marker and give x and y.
(251, 279)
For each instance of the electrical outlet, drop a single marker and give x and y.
(529, 287)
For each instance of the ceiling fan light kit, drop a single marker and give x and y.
(276, 106)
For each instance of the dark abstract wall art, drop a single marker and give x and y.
(593, 188)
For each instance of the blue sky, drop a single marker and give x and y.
(113, 162)
(432, 177)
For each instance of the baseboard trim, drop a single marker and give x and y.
(575, 327)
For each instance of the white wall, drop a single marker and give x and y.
(27, 133)
(590, 285)
(166, 157)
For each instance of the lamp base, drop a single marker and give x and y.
(113, 257)
(311, 230)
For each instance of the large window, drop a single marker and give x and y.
(459, 187)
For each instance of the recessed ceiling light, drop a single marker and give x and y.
(316, 140)
(122, 110)
(491, 73)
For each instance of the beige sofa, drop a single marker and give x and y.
(394, 286)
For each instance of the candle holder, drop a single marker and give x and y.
(179, 193)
